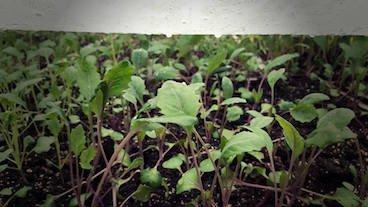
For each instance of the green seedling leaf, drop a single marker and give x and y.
(165, 72)
(329, 134)
(274, 76)
(340, 117)
(179, 104)
(236, 53)
(143, 193)
(87, 50)
(174, 162)
(151, 177)
(74, 119)
(11, 98)
(314, 98)
(140, 58)
(43, 144)
(234, 100)
(49, 202)
(177, 99)
(206, 165)
(136, 163)
(280, 61)
(215, 61)
(74, 202)
(227, 87)
(294, 140)
(233, 113)
(124, 157)
(241, 143)
(3, 167)
(6, 192)
(88, 79)
(261, 121)
(77, 140)
(4, 155)
(117, 136)
(188, 181)
(86, 157)
(303, 112)
(118, 78)
(346, 197)
(22, 193)
(262, 134)
(137, 90)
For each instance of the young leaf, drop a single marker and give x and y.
(151, 177)
(177, 99)
(233, 113)
(139, 58)
(188, 181)
(261, 121)
(279, 61)
(314, 98)
(233, 100)
(227, 87)
(77, 140)
(340, 117)
(143, 193)
(206, 165)
(118, 78)
(303, 112)
(137, 88)
(43, 144)
(242, 142)
(88, 79)
(327, 135)
(174, 162)
(215, 61)
(274, 76)
(86, 157)
(294, 140)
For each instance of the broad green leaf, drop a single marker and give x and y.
(86, 157)
(43, 144)
(11, 98)
(346, 197)
(151, 177)
(186, 43)
(236, 53)
(88, 79)
(215, 61)
(4, 155)
(314, 98)
(274, 76)
(143, 193)
(294, 140)
(263, 135)
(53, 124)
(124, 157)
(112, 134)
(328, 134)
(87, 50)
(165, 72)
(136, 90)
(22, 193)
(241, 143)
(118, 78)
(254, 113)
(340, 117)
(261, 121)
(233, 113)
(188, 181)
(77, 140)
(137, 162)
(177, 99)
(227, 87)
(233, 100)
(139, 58)
(303, 112)
(280, 61)
(206, 165)
(6, 192)
(185, 121)
(24, 84)
(174, 162)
